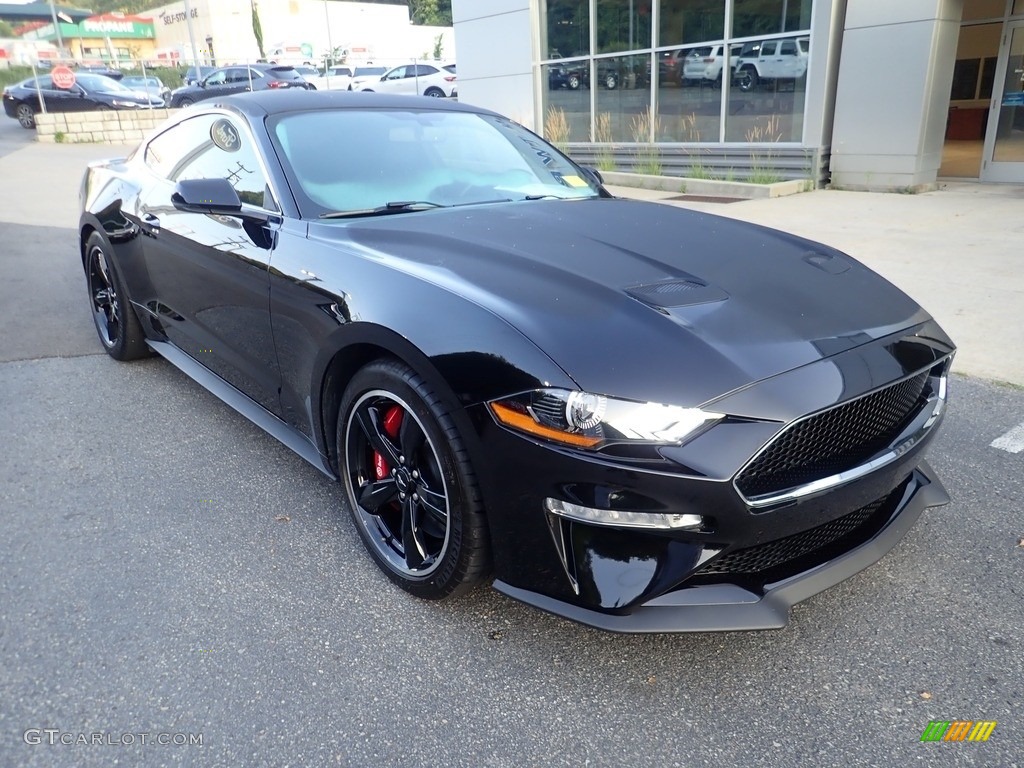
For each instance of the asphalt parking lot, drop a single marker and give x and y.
(168, 568)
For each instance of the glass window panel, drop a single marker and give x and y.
(984, 9)
(1018, 7)
(691, 21)
(765, 17)
(566, 101)
(567, 28)
(1010, 128)
(623, 25)
(689, 99)
(623, 98)
(766, 101)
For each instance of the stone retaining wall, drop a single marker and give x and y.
(100, 127)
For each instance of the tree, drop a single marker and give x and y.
(6, 30)
(432, 13)
(257, 28)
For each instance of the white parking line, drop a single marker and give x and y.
(1012, 441)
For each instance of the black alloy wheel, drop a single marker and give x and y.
(411, 490)
(116, 323)
(26, 115)
(747, 79)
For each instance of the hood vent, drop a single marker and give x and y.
(679, 292)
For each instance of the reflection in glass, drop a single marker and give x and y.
(691, 21)
(623, 25)
(689, 99)
(765, 17)
(567, 28)
(766, 102)
(1009, 146)
(624, 97)
(566, 101)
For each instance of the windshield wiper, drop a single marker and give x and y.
(546, 197)
(396, 206)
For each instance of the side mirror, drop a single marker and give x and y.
(593, 175)
(206, 196)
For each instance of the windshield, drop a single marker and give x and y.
(432, 157)
(100, 84)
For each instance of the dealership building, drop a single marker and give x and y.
(868, 94)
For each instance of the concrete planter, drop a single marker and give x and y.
(709, 187)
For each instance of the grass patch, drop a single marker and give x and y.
(556, 129)
(603, 133)
(59, 137)
(647, 156)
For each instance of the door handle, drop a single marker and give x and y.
(149, 224)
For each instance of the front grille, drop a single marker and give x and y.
(810, 547)
(835, 440)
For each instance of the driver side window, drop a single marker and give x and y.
(217, 78)
(211, 147)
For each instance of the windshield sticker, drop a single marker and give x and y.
(574, 181)
(225, 136)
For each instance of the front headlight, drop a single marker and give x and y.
(589, 421)
(128, 104)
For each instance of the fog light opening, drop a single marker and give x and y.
(618, 518)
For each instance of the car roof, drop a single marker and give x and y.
(263, 103)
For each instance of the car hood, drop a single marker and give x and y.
(645, 301)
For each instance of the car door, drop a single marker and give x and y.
(422, 78)
(393, 82)
(789, 60)
(56, 99)
(208, 275)
(770, 63)
(217, 84)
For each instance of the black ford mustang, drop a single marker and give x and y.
(635, 416)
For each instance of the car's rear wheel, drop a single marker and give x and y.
(574, 82)
(410, 487)
(26, 115)
(116, 322)
(186, 102)
(611, 82)
(435, 93)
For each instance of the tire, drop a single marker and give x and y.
(574, 82)
(117, 325)
(611, 82)
(185, 102)
(398, 447)
(26, 115)
(435, 93)
(747, 79)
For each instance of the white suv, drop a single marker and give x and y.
(417, 80)
(706, 64)
(772, 61)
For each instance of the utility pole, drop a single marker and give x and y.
(56, 28)
(191, 37)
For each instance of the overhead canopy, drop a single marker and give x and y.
(39, 12)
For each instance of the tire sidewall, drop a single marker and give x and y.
(130, 343)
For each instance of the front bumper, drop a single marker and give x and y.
(749, 557)
(729, 607)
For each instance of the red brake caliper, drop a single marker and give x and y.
(392, 423)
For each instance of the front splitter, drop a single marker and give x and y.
(727, 607)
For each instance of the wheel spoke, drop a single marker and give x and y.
(435, 504)
(415, 554)
(369, 422)
(410, 436)
(373, 495)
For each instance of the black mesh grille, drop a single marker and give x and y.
(835, 440)
(819, 543)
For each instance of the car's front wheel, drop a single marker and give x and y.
(26, 115)
(410, 486)
(435, 93)
(185, 102)
(116, 322)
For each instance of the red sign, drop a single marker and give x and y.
(63, 77)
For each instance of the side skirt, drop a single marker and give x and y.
(254, 412)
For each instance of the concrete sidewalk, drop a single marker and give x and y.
(959, 251)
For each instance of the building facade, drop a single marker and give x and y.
(112, 37)
(869, 94)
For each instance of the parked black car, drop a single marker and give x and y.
(637, 416)
(229, 80)
(89, 92)
(576, 75)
